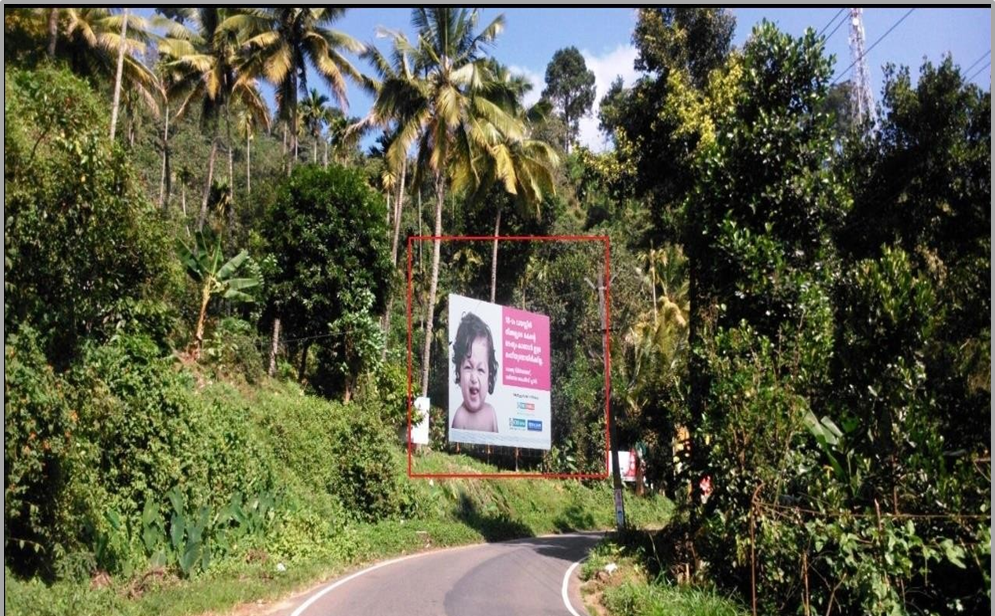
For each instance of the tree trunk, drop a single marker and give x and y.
(303, 367)
(231, 150)
(183, 200)
(398, 207)
(53, 31)
(273, 347)
(163, 194)
(284, 139)
(210, 178)
(117, 76)
(324, 159)
(440, 196)
(205, 297)
(314, 152)
(497, 230)
(248, 164)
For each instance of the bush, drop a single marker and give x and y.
(341, 450)
(38, 435)
(233, 349)
(80, 236)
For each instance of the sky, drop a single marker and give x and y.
(603, 36)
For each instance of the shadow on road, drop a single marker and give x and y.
(492, 526)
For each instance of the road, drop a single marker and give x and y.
(525, 576)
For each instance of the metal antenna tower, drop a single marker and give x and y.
(861, 99)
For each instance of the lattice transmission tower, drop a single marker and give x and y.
(861, 99)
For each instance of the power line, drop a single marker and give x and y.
(871, 48)
(831, 23)
(841, 22)
(978, 72)
(983, 56)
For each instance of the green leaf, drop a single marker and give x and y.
(176, 528)
(190, 557)
(954, 553)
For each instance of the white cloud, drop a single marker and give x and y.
(538, 81)
(605, 68)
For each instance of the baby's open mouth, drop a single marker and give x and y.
(474, 391)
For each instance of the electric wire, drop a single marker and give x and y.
(983, 56)
(825, 27)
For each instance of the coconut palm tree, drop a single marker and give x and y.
(245, 126)
(93, 41)
(522, 165)
(282, 42)
(313, 114)
(210, 74)
(444, 109)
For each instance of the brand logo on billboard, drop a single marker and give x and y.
(517, 424)
(535, 426)
(526, 406)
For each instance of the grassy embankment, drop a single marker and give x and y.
(436, 513)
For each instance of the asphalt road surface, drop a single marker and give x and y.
(526, 576)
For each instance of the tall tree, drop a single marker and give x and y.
(208, 63)
(441, 112)
(92, 43)
(285, 41)
(570, 87)
(313, 113)
(661, 125)
(119, 73)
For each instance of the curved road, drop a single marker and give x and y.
(525, 576)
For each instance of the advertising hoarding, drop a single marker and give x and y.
(498, 374)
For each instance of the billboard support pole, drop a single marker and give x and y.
(613, 441)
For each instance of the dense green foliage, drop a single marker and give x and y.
(80, 236)
(328, 241)
(826, 286)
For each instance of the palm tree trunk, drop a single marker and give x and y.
(163, 194)
(324, 158)
(248, 165)
(398, 207)
(284, 139)
(273, 347)
(497, 230)
(120, 70)
(231, 149)
(314, 152)
(293, 120)
(210, 178)
(205, 297)
(53, 31)
(440, 196)
(183, 200)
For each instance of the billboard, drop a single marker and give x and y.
(498, 374)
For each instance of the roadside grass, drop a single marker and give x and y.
(448, 513)
(637, 587)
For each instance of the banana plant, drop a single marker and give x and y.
(230, 279)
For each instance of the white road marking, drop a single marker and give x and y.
(327, 589)
(566, 583)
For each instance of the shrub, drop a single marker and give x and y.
(233, 349)
(38, 434)
(80, 236)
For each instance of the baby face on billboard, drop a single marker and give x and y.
(474, 376)
(476, 372)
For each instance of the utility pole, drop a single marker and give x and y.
(613, 441)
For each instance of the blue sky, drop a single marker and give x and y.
(532, 36)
